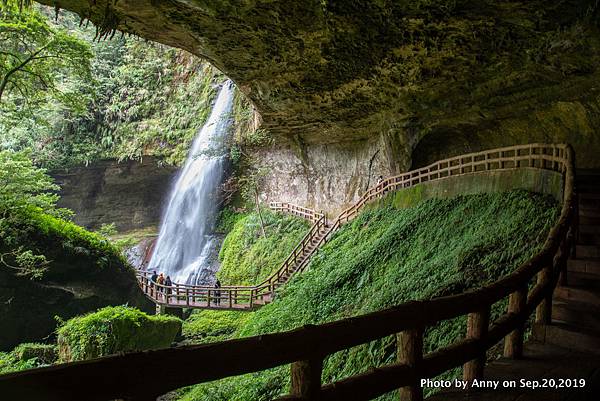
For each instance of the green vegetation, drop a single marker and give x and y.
(114, 329)
(206, 326)
(36, 59)
(123, 98)
(246, 256)
(387, 256)
(27, 356)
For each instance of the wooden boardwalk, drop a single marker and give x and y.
(244, 297)
(251, 297)
(565, 352)
(536, 288)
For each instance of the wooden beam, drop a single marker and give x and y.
(477, 328)
(410, 352)
(306, 378)
(513, 343)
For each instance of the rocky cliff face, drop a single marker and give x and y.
(129, 194)
(416, 79)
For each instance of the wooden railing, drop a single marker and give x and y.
(307, 347)
(238, 296)
(296, 210)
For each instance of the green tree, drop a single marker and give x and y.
(36, 58)
(23, 185)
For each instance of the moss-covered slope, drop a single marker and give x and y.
(387, 256)
(85, 273)
(247, 257)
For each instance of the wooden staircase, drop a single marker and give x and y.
(576, 302)
(569, 347)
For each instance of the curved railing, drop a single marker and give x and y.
(307, 347)
(249, 297)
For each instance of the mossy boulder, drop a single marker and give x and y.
(45, 353)
(114, 329)
(27, 356)
(85, 273)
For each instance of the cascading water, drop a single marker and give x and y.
(185, 241)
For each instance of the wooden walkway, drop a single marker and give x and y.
(251, 297)
(243, 297)
(531, 290)
(564, 355)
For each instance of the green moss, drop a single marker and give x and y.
(114, 329)
(27, 356)
(247, 257)
(387, 256)
(205, 326)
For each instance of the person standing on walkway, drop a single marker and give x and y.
(169, 284)
(218, 293)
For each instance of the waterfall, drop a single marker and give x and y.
(185, 241)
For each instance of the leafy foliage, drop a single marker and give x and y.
(27, 356)
(247, 257)
(114, 329)
(36, 57)
(23, 185)
(205, 326)
(388, 256)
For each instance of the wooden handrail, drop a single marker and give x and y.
(544, 156)
(306, 347)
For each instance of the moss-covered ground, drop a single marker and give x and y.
(384, 257)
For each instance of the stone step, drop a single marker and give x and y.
(587, 251)
(588, 239)
(592, 221)
(589, 266)
(589, 212)
(563, 335)
(584, 280)
(578, 294)
(576, 314)
(589, 229)
(589, 194)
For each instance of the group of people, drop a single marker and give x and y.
(166, 281)
(160, 279)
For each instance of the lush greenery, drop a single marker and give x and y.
(133, 98)
(246, 255)
(36, 60)
(387, 256)
(205, 326)
(27, 356)
(24, 185)
(24, 191)
(114, 329)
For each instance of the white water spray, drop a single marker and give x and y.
(185, 240)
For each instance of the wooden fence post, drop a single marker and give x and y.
(543, 312)
(513, 342)
(409, 351)
(477, 328)
(306, 378)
